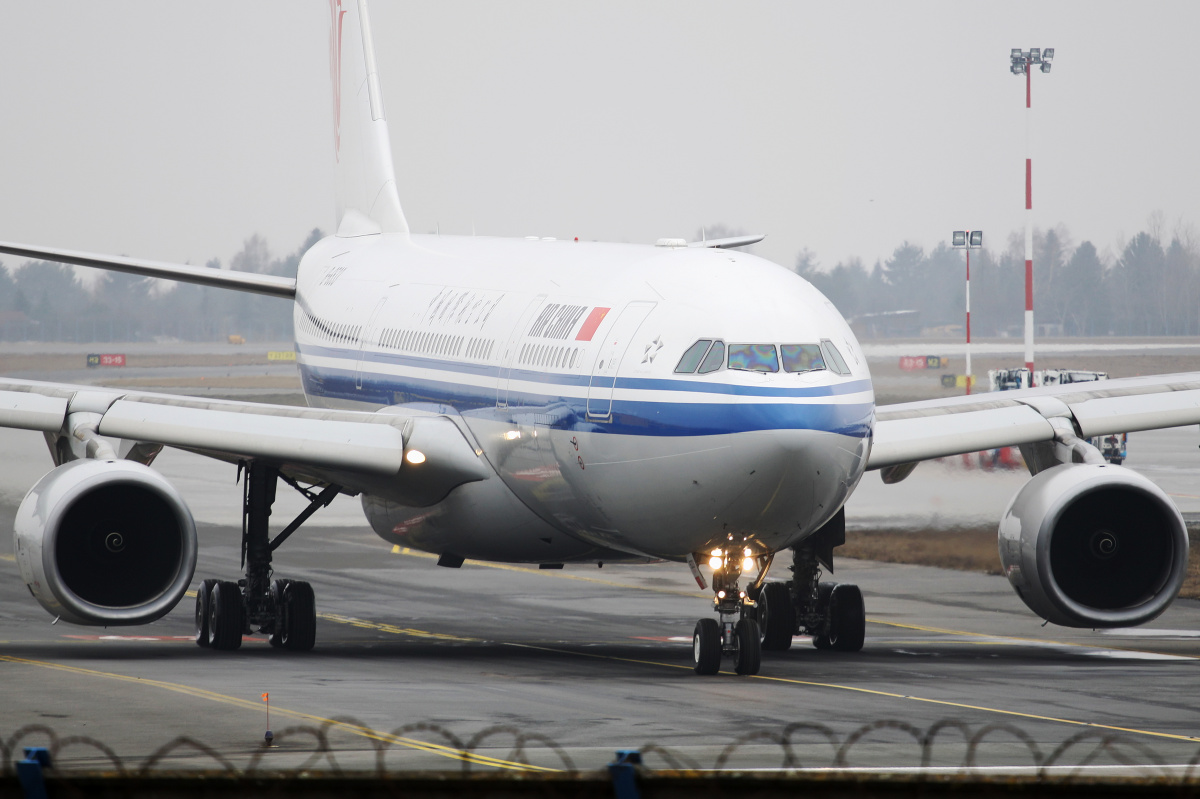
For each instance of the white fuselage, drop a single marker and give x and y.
(558, 361)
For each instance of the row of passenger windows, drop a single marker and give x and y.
(709, 355)
(319, 328)
(549, 356)
(427, 343)
(415, 341)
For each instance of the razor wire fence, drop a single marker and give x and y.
(344, 747)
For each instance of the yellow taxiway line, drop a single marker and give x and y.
(787, 680)
(246, 704)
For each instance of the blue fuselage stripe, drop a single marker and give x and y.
(655, 417)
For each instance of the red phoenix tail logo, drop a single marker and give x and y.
(336, 15)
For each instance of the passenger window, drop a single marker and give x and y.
(691, 358)
(753, 357)
(802, 357)
(834, 357)
(715, 358)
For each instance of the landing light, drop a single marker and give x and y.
(720, 595)
(415, 457)
(747, 552)
(715, 562)
(747, 564)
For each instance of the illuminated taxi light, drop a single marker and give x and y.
(747, 564)
(742, 594)
(747, 552)
(720, 595)
(714, 562)
(415, 457)
(512, 435)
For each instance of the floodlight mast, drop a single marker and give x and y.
(968, 240)
(1022, 64)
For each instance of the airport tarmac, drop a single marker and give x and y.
(496, 667)
(415, 661)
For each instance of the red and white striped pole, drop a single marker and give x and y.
(967, 239)
(968, 314)
(1022, 64)
(1028, 228)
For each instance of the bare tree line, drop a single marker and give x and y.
(1148, 285)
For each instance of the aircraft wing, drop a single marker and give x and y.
(354, 450)
(909, 432)
(271, 285)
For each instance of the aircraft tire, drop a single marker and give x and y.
(203, 596)
(824, 591)
(749, 654)
(706, 647)
(777, 617)
(278, 589)
(300, 616)
(225, 616)
(848, 619)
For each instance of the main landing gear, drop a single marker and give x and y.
(283, 609)
(736, 635)
(832, 613)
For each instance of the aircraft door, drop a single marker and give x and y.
(512, 346)
(367, 332)
(609, 356)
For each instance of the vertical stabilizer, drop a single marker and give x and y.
(367, 201)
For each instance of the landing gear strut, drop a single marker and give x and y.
(283, 609)
(832, 613)
(736, 635)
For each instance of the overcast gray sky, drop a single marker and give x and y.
(175, 130)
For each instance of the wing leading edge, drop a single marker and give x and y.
(354, 450)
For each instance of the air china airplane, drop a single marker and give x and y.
(553, 402)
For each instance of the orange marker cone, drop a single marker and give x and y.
(270, 736)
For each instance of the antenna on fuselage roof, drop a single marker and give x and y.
(367, 199)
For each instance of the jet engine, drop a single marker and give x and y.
(1093, 545)
(105, 543)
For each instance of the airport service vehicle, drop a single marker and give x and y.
(1112, 447)
(557, 402)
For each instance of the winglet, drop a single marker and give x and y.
(732, 241)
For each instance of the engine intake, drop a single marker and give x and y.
(1094, 545)
(105, 543)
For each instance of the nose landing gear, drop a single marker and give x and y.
(736, 635)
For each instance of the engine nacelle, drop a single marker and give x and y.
(105, 543)
(1094, 545)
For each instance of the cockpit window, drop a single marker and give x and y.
(834, 358)
(715, 358)
(753, 357)
(691, 359)
(802, 357)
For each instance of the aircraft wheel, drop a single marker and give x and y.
(777, 617)
(225, 616)
(299, 616)
(749, 653)
(847, 618)
(822, 640)
(275, 637)
(203, 597)
(706, 646)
